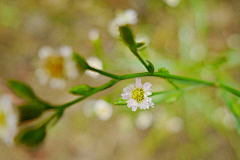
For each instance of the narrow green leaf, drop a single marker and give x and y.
(81, 62)
(22, 90)
(81, 90)
(120, 101)
(127, 36)
(31, 110)
(230, 105)
(31, 137)
(150, 67)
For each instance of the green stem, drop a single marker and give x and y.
(140, 59)
(104, 73)
(117, 78)
(172, 83)
(97, 89)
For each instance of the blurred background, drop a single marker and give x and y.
(192, 38)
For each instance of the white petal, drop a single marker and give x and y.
(8, 132)
(71, 69)
(147, 86)
(93, 35)
(95, 62)
(44, 52)
(147, 94)
(6, 103)
(134, 108)
(131, 103)
(126, 96)
(128, 89)
(65, 51)
(92, 74)
(57, 83)
(131, 16)
(138, 83)
(42, 75)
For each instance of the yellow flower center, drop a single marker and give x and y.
(138, 94)
(2, 119)
(55, 64)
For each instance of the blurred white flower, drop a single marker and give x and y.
(172, 3)
(103, 110)
(95, 63)
(137, 95)
(8, 120)
(144, 120)
(174, 124)
(224, 116)
(56, 66)
(198, 52)
(93, 35)
(127, 17)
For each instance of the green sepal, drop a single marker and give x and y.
(150, 67)
(128, 38)
(81, 62)
(22, 90)
(81, 90)
(31, 137)
(139, 45)
(31, 110)
(120, 101)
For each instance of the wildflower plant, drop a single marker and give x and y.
(136, 97)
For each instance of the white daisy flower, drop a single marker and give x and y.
(137, 95)
(144, 120)
(56, 66)
(8, 120)
(95, 63)
(93, 35)
(123, 18)
(103, 110)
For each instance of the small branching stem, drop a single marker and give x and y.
(117, 78)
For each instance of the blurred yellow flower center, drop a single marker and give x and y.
(102, 111)
(55, 64)
(2, 119)
(138, 94)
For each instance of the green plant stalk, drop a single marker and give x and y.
(117, 78)
(140, 59)
(104, 73)
(96, 90)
